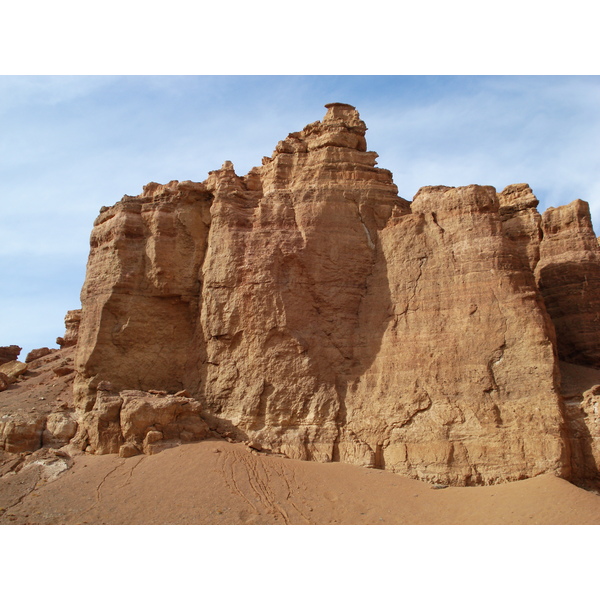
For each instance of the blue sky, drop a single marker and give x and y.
(71, 144)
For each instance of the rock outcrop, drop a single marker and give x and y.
(13, 370)
(72, 322)
(21, 432)
(37, 353)
(132, 422)
(9, 353)
(311, 311)
(306, 309)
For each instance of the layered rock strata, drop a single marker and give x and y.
(310, 309)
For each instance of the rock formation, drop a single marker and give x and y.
(37, 353)
(309, 310)
(13, 370)
(568, 276)
(9, 353)
(133, 422)
(72, 321)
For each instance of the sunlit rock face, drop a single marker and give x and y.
(312, 310)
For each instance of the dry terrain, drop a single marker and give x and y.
(301, 345)
(216, 482)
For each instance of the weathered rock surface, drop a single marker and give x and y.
(13, 370)
(442, 399)
(36, 409)
(314, 312)
(72, 322)
(9, 353)
(27, 432)
(21, 432)
(37, 353)
(60, 428)
(133, 422)
(521, 222)
(139, 318)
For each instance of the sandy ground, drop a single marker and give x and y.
(215, 482)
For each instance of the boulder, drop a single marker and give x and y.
(135, 421)
(13, 370)
(37, 353)
(60, 428)
(9, 353)
(21, 432)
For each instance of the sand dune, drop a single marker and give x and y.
(215, 482)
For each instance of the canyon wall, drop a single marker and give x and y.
(314, 312)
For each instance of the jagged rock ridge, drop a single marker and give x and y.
(310, 310)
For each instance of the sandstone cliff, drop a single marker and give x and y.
(311, 311)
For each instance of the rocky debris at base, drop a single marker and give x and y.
(36, 409)
(21, 432)
(133, 422)
(27, 432)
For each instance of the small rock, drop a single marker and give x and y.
(183, 394)
(127, 450)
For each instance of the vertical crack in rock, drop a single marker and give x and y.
(497, 355)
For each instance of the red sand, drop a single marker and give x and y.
(215, 482)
